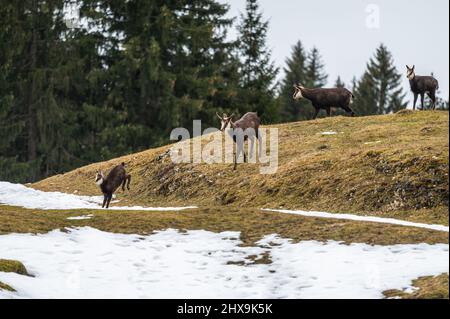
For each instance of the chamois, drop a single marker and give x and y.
(325, 98)
(245, 128)
(421, 85)
(111, 183)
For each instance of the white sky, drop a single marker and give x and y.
(415, 31)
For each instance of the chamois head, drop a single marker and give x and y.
(225, 121)
(99, 177)
(298, 92)
(410, 74)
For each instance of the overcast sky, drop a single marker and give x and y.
(347, 32)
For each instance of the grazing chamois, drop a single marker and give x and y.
(421, 85)
(245, 128)
(325, 98)
(116, 177)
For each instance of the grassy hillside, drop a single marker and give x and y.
(393, 165)
(425, 288)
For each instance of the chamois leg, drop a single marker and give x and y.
(105, 197)
(258, 136)
(328, 111)
(242, 151)
(128, 181)
(235, 157)
(239, 150)
(415, 100)
(109, 200)
(422, 101)
(348, 109)
(316, 113)
(432, 96)
(252, 148)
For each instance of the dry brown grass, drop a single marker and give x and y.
(427, 288)
(6, 287)
(393, 165)
(252, 223)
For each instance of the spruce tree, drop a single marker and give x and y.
(315, 70)
(316, 77)
(295, 72)
(306, 69)
(365, 96)
(171, 64)
(37, 85)
(258, 71)
(339, 83)
(379, 91)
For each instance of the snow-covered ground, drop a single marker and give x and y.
(88, 263)
(372, 219)
(82, 217)
(20, 195)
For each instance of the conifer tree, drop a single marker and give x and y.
(316, 77)
(339, 83)
(295, 72)
(306, 69)
(258, 71)
(379, 91)
(315, 70)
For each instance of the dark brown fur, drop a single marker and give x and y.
(327, 98)
(116, 177)
(421, 85)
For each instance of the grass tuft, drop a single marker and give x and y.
(6, 287)
(13, 266)
(425, 288)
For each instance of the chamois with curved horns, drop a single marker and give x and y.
(245, 128)
(421, 85)
(325, 99)
(108, 185)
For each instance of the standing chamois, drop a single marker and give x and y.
(421, 85)
(111, 183)
(325, 98)
(242, 130)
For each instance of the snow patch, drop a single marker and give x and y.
(361, 218)
(329, 133)
(83, 217)
(88, 263)
(371, 143)
(20, 195)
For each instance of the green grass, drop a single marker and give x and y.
(427, 288)
(11, 266)
(389, 166)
